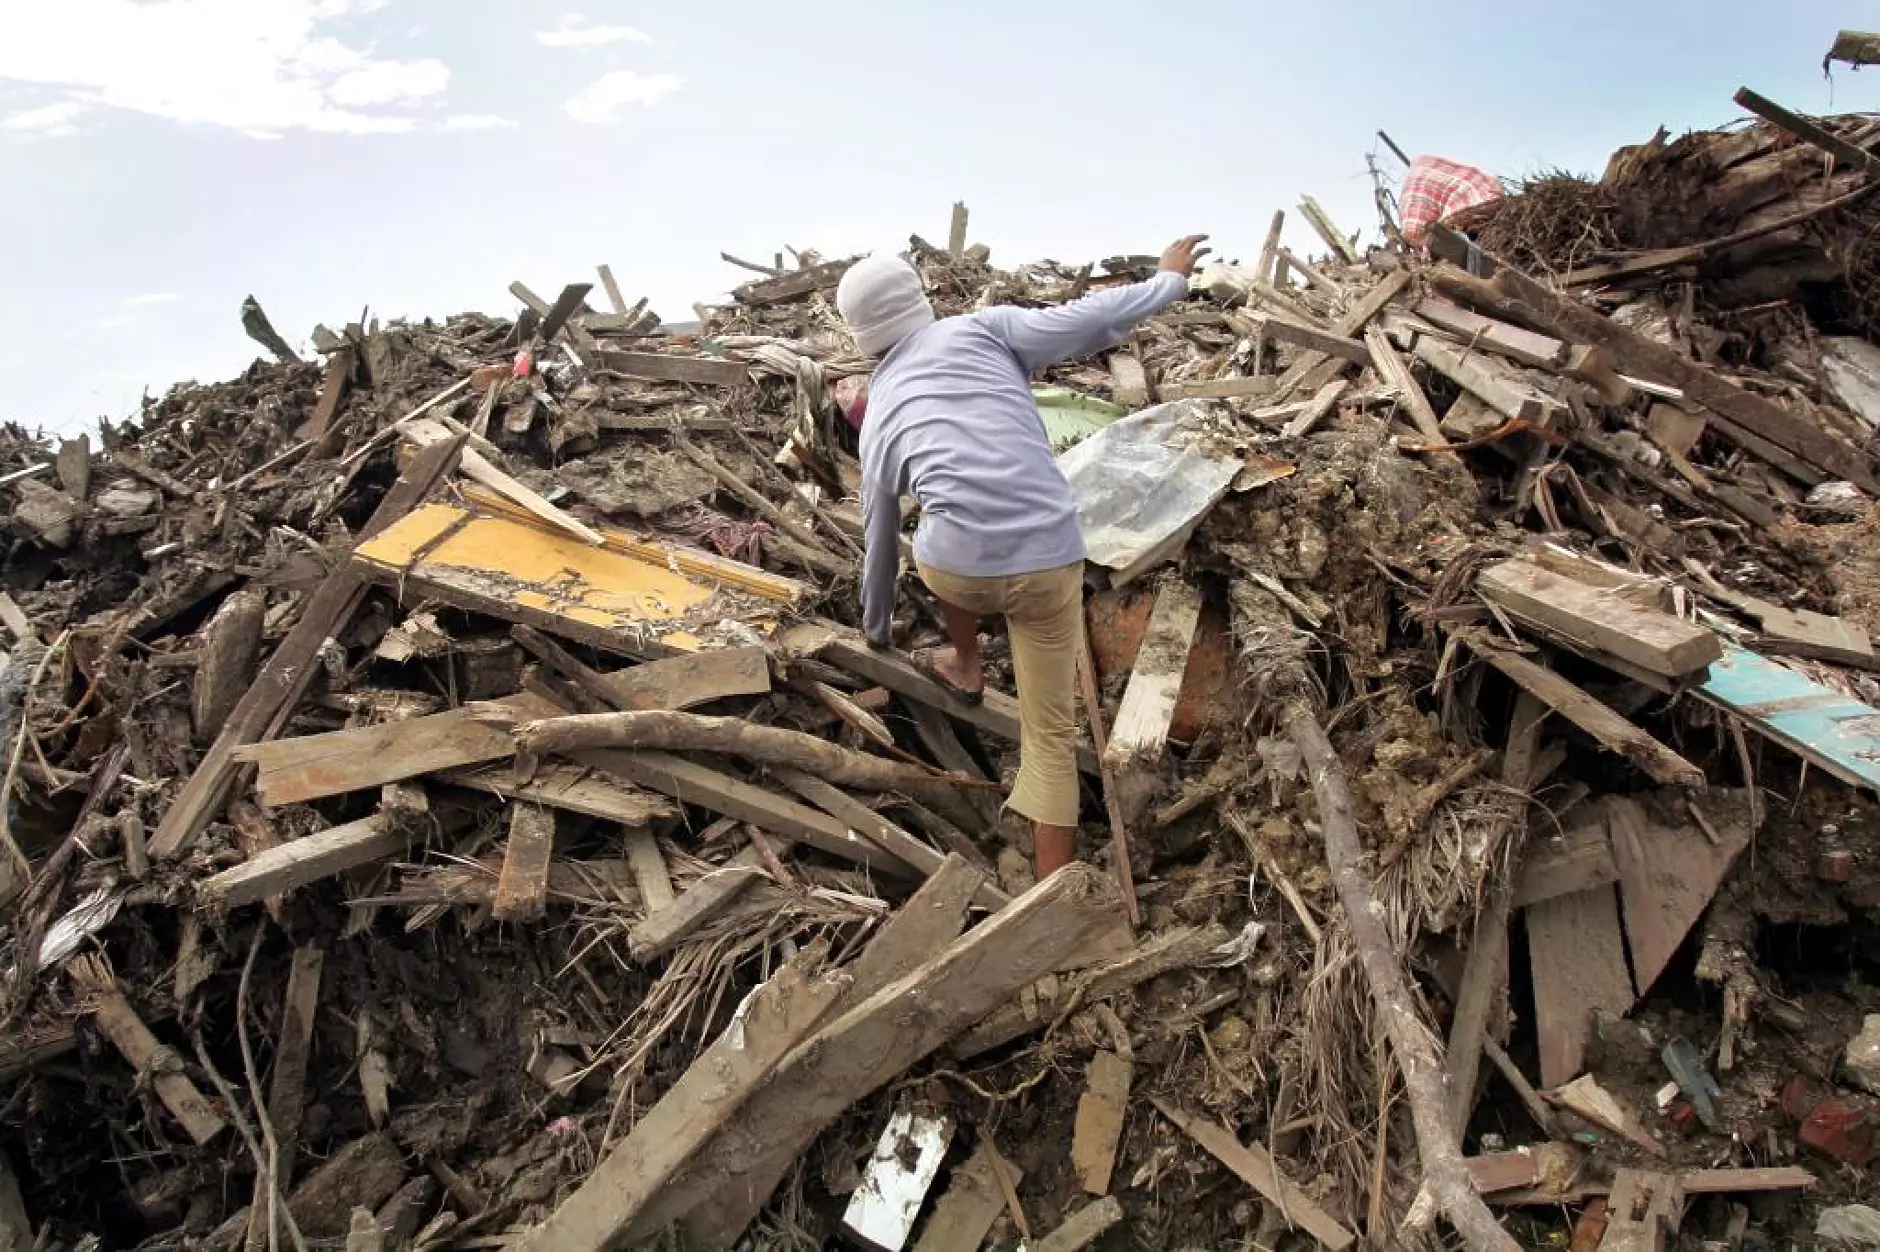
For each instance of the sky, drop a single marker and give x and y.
(162, 159)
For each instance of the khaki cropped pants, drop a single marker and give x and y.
(1044, 618)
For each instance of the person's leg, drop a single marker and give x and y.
(1044, 616)
(963, 601)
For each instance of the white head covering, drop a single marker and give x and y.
(881, 300)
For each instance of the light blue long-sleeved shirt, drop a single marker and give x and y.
(951, 421)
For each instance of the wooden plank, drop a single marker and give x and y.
(1512, 342)
(692, 783)
(1644, 1211)
(322, 428)
(649, 870)
(956, 232)
(1161, 953)
(846, 649)
(287, 1085)
(936, 733)
(264, 708)
(1585, 1098)
(877, 1040)
(875, 828)
(1269, 251)
(965, 1213)
(1129, 384)
(572, 299)
(1508, 396)
(1139, 736)
(1839, 734)
(706, 371)
(1596, 623)
(302, 861)
(616, 602)
(1730, 1181)
(558, 785)
(794, 284)
(612, 288)
(1351, 322)
(1256, 1167)
(1396, 374)
(919, 930)
(1613, 731)
(522, 890)
(1580, 859)
(1669, 871)
(1321, 222)
(1098, 1127)
(428, 431)
(1577, 955)
(226, 652)
(1255, 387)
(1522, 299)
(1082, 1228)
(659, 933)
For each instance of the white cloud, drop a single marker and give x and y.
(611, 94)
(259, 66)
(571, 34)
(479, 121)
(155, 297)
(52, 119)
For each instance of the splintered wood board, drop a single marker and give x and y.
(1668, 871)
(1577, 954)
(1596, 623)
(524, 573)
(1836, 733)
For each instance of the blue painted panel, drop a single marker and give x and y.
(1839, 734)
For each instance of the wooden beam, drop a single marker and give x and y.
(1322, 223)
(1579, 859)
(1256, 1167)
(1613, 731)
(571, 300)
(1396, 374)
(1351, 322)
(1321, 407)
(1577, 955)
(1478, 376)
(1512, 342)
(772, 1021)
(956, 232)
(1139, 736)
(876, 1041)
(1284, 330)
(919, 930)
(1595, 623)
(617, 301)
(522, 889)
(1082, 1228)
(570, 788)
(302, 861)
(706, 371)
(649, 870)
(1098, 1127)
(264, 708)
(1255, 387)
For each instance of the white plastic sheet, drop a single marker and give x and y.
(1144, 483)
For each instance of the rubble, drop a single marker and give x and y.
(449, 803)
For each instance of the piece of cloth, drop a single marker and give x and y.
(1043, 611)
(952, 422)
(881, 299)
(1435, 189)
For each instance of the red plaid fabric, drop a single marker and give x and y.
(1435, 189)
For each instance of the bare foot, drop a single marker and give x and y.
(947, 662)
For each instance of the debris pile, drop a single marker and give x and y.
(449, 805)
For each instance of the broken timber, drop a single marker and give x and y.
(1595, 623)
(522, 889)
(1139, 736)
(302, 861)
(877, 1040)
(1254, 1166)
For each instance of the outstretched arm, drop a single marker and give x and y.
(1041, 337)
(881, 563)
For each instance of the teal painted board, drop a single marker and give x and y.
(1839, 734)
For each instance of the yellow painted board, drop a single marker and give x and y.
(546, 577)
